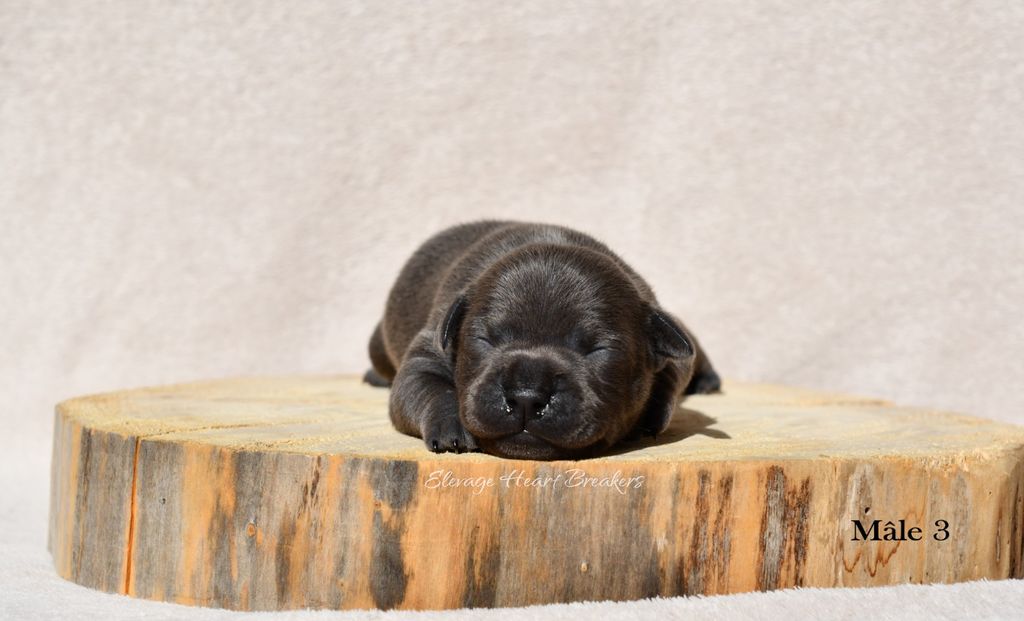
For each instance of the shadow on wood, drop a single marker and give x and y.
(686, 423)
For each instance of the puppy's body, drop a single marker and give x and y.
(529, 340)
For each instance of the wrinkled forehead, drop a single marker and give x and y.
(543, 296)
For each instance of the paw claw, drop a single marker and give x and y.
(446, 434)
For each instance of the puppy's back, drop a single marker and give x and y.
(415, 290)
(452, 258)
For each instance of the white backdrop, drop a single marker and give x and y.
(830, 194)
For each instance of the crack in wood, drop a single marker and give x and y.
(129, 541)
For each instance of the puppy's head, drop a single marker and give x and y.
(555, 353)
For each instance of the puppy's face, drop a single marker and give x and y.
(555, 353)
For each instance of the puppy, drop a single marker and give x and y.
(529, 341)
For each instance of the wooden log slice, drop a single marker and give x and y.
(290, 492)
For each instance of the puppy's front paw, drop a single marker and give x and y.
(445, 433)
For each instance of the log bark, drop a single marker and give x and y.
(273, 493)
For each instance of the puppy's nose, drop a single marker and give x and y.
(526, 403)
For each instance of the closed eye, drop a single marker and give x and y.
(485, 341)
(598, 349)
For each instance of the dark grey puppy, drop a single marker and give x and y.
(529, 341)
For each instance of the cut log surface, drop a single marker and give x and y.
(269, 493)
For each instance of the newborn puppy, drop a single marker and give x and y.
(529, 341)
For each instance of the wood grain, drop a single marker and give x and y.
(268, 493)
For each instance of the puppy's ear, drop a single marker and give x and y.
(445, 334)
(667, 337)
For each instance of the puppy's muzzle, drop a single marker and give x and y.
(528, 383)
(526, 404)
